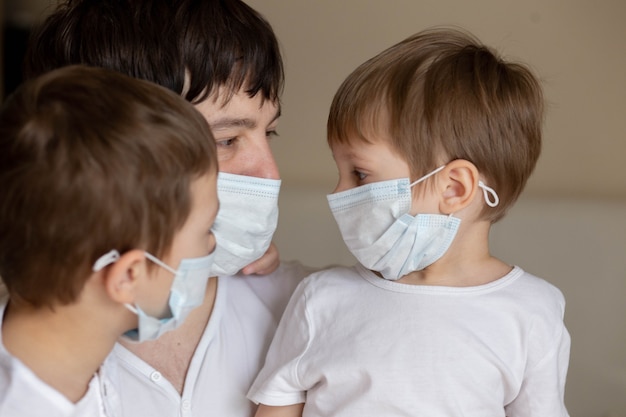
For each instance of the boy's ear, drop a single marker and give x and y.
(123, 277)
(460, 179)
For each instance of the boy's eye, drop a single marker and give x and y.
(360, 175)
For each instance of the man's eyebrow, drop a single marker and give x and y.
(229, 122)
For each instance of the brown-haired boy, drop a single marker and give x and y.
(434, 140)
(107, 199)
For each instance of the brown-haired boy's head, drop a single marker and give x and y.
(92, 160)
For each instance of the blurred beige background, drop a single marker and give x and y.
(577, 47)
(570, 224)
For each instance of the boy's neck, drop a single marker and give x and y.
(467, 262)
(64, 348)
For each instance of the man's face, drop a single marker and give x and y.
(242, 130)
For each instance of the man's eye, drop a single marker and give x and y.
(225, 142)
(271, 133)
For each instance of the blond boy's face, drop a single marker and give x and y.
(193, 240)
(243, 129)
(361, 163)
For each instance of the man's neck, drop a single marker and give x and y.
(171, 353)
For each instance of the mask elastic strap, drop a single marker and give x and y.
(113, 256)
(161, 263)
(105, 260)
(131, 308)
(427, 176)
(490, 195)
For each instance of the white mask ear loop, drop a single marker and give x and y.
(113, 256)
(161, 263)
(427, 176)
(105, 260)
(490, 195)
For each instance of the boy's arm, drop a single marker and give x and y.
(543, 389)
(266, 264)
(294, 410)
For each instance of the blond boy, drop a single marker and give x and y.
(434, 140)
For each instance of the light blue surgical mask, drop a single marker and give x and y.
(378, 230)
(187, 292)
(245, 222)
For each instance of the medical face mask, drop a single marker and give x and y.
(246, 220)
(187, 292)
(378, 230)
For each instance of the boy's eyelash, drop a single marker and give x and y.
(360, 175)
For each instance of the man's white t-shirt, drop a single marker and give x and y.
(228, 357)
(353, 344)
(23, 394)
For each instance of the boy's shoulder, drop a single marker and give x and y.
(23, 394)
(283, 280)
(525, 297)
(531, 285)
(333, 280)
(271, 291)
(334, 272)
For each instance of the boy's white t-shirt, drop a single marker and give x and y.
(23, 394)
(353, 344)
(228, 357)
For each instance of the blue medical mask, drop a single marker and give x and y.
(187, 292)
(378, 230)
(246, 220)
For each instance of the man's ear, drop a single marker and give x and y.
(123, 277)
(460, 182)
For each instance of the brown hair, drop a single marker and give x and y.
(134, 37)
(92, 160)
(441, 95)
(208, 43)
(226, 43)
